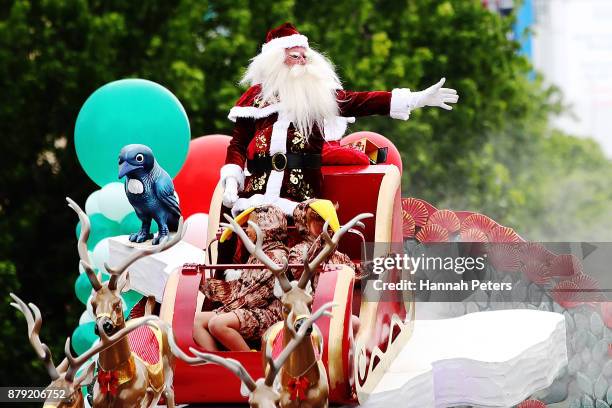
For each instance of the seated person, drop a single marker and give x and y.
(309, 218)
(249, 306)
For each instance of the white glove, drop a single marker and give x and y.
(230, 194)
(435, 95)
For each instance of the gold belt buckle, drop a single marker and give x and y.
(283, 158)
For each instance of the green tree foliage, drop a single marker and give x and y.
(494, 153)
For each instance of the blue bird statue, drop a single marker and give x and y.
(150, 191)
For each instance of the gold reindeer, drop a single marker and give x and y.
(262, 392)
(125, 380)
(303, 378)
(64, 390)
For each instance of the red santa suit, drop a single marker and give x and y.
(282, 165)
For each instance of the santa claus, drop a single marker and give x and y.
(294, 105)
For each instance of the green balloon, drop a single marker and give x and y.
(130, 111)
(101, 227)
(82, 288)
(131, 297)
(83, 337)
(131, 223)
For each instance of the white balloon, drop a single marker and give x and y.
(196, 228)
(101, 254)
(113, 201)
(91, 204)
(89, 309)
(85, 318)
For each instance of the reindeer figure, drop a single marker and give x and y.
(262, 392)
(303, 378)
(124, 379)
(63, 376)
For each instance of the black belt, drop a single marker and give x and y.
(282, 161)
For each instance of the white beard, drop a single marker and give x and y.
(307, 93)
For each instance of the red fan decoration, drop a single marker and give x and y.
(416, 209)
(532, 251)
(479, 222)
(432, 233)
(446, 219)
(503, 257)
(503, 234)
(590, 289)
(408, 225)
(606, 313)
(473, 235)
(565, 293)
(566, 265)
(536, 272)
(532, 403)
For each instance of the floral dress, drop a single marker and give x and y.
(251, 297)
(311, 244)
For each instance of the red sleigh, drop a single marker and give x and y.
(353, 364)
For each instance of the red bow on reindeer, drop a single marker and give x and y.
(108, 381)
(298, 387)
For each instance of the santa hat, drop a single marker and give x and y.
(284, 36)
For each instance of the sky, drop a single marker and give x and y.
(572, 47)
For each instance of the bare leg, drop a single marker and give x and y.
(201, 333)
(225, 329)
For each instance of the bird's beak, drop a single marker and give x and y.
(125, 168)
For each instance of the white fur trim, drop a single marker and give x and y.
(252, 112)
(278, 140)
(232, 274)
(401, 103)
(243, 203)
(274, 184)
(295, 40)
(286, 205)
(278, 144)
(232, 170)
(334, 130)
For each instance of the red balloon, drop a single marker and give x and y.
(198, 178)
(393, 155)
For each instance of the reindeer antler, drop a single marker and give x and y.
(274, 366)
(331, 243)
(164, 245)
(257, 251)
(233, 365)
(82, 244)
(34, 324)
(74, 363)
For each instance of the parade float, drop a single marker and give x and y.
(136, 340)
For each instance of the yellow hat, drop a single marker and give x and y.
(240, 219)
(327, 211)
